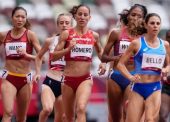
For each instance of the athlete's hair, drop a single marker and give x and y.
(123, 16)
(73, 11)
(143, 8)
(167, 36)
(138, 28)
(151, 15)
(64, 14)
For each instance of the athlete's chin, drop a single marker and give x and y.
(19, 27)
(83, 25)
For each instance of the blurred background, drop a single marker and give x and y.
(104, 16)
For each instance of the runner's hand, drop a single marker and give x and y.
(135, 78)
(102, 68)
(36, 78)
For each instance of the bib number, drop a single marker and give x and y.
(123, 46)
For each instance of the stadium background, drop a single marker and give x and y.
(42, 15)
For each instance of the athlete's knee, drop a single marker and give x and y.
(63, 117)
(163, 117)
(47, 110)
(81, 109)
(8, 114)
(151, 119)
(21, 118)
(68, 119)
(163, 114)
(60, 118)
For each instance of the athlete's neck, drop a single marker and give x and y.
(150, 39)
(17, 31)
(130, 35)
(81, 30)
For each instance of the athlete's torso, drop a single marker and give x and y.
(12, 44)
(14, 61)
(78, 60)
(121, 45)
(149, 60)
(84, 46)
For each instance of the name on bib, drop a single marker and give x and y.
(84, 50)
(152, 61)
(11, 48)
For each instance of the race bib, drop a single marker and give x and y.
(11, 48)
(84, 50)
(123, 46)
(152, 61)
(29, 77)
(61, 61)
(3, 74)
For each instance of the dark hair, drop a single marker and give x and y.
(143, 8)
(151, 15)
(123, 16)
(167, 33)
(167, 36)
(73, 11)
(138, 28)
(27, 24)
